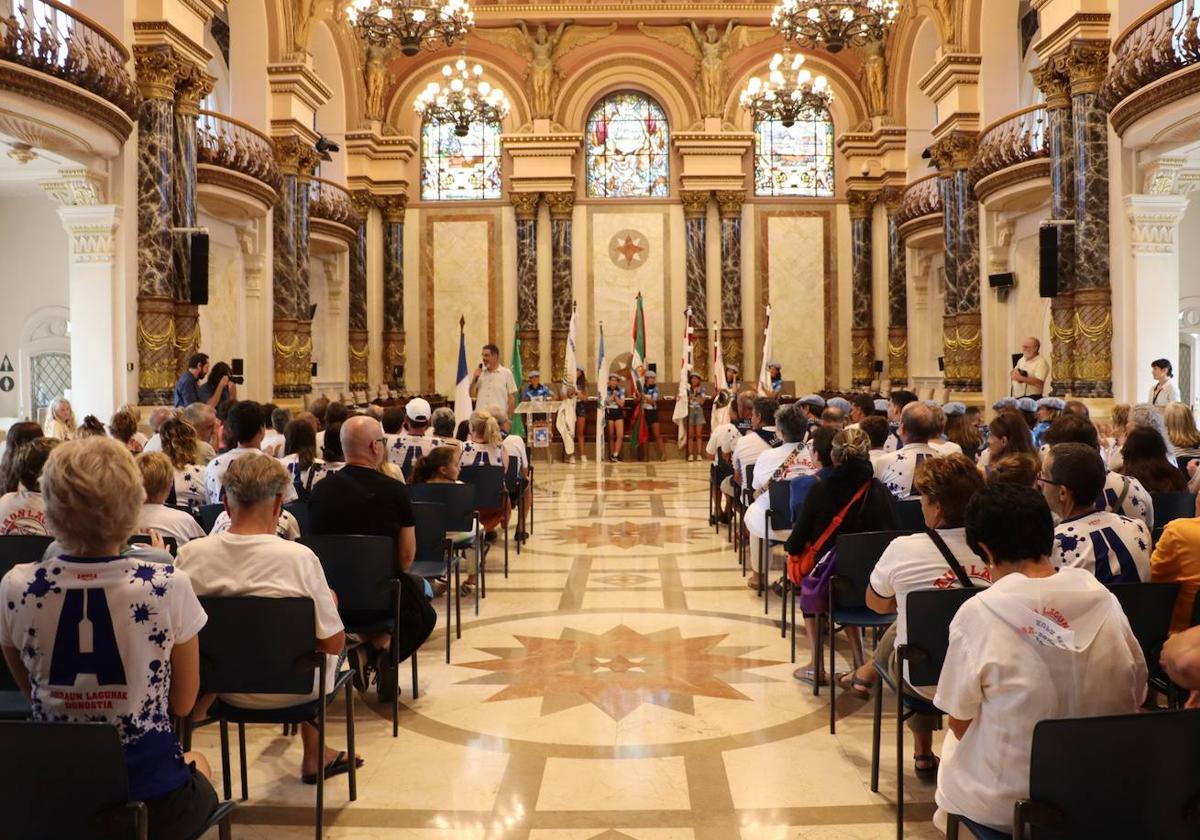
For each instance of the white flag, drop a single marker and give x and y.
(720, 415)
(564, 421)
(685, 368)
(764, 375)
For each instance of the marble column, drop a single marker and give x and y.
(969, 326)
(1052, 79)
(730, 202)
(194, 85)
(393, 207)
(292, 346)
(950, 272)
(157, 71)
(562, 294)
(897, 341)
(357, 335)
(525, 205)
(695, 224)
(862, 330)
(1087, 64)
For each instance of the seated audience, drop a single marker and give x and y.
(124, 428)
(1181, 430)
(335, 413)
(203, 419)
(918, 424)
(1181, 660)
(1036, 645)
(19, 434)
(514, 448)
(1021, 468)
(1048, 410)
(482, 447)
(938, 439)
(1144, 457)
(961, 430)
(937, 559)
(832, 417)
(1008, 434)
(876, 429)
(1143, 416)
(274, 440)
(60, 424)
(178, 441)
(873, 511)
(246, 429)
(1122, 494)
(443, 426)
(1113, 547)
(300, 457)
(158, 480)
(1079, 409)
(90, 427)
(145, 617)
(393, 424)
(1176, 559)
(761, 436)
(440, 466)
(332, 456)
(24, 510)
(158, 415)
(359, 499)
(415, 439)
(250, 560)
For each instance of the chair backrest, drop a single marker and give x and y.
(430, 531)
(488, 482)
(254, 645)
(512, 474)
(1182, 462)
(361, 570)
(1135, 775)
(457, 499)
(927, 617)
(1169, 506)
(169, 543)
(748, 487)
(857, 555)
(207, 516)
(68, 775)
(300, 511)
(1148, 607)
(16, 549)
(908, 511)
(779, 495)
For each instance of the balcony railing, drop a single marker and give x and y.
(330, 201)
(1017, 138)
(46, 36)
(1161, 41)
(921, 198)
(231, 144)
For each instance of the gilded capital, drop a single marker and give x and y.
(861, 203)
(525, 204)
(730, 202)
(193, 85)
(1051, 79)
(954, 151)
(157, 69)
(363, 201)
(562, 204)
(393, 208)
(695, 203)
(1087, 65)
(296, 156)
(893, 199)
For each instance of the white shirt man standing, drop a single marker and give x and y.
(492, 383)
(1031, 374)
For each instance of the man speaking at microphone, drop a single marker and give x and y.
(1031, 371)
(492, 384)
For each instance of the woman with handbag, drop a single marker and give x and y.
(850, 501)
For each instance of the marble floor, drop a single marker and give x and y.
(621, 684)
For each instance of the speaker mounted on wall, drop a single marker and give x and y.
(1048, 261)
(198, 268)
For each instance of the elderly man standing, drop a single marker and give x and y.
(1031, 373)
(492, 383)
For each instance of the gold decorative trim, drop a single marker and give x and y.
(231, 179)
(695, 203)
(1158, 94)
(64, 94)
(921, 224)
(330, 228)
(1029, 170)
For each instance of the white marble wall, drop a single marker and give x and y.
(462, 265)
(615, 288)
(795, 265)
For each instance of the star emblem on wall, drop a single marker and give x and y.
(627, 534)
(619, 670)
(628, 249)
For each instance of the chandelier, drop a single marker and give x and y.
(834, 24)
(410, 24)
(788, 91)
(462, 98)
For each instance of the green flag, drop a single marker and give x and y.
(518, 421)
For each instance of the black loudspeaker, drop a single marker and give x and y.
(198, 276)
(314, 369)
(312, 311)
(941, 363)
(1048, 261)
(879, 366)
(1002, 281)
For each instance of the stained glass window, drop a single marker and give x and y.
(628, 148)
(796, 160)
(460, 168)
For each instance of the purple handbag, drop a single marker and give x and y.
(814, 587)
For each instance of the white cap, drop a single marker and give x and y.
(418, 410)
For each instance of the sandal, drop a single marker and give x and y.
(336, 767)
(851, 682)
(807, 675)
(930, 770)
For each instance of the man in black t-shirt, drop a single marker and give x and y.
(359, 499)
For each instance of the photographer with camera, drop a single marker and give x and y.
(1031, 372)
(220, 387)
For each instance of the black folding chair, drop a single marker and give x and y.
(462, 520)
(71, 781)
(1134, 775)
(489, 493)
(927, 617)
(254, 645)
(435, 556)
(779, 518)
(299, 510)
(1169, 506)
(13, 703)
(1149, 607)
(169, 543)
(745, 497)
(856, 557)
(908, 511)
(514, 483)
(531, 498)
(16, 549)
(1182, 462)
(207, 516)
(363, 572)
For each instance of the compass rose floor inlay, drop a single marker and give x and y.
(621, 684)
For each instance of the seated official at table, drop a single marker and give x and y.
(535, 390)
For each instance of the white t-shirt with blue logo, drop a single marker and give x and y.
(406, 449)
(1115, 548)
(897, 469)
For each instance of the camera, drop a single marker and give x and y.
(237, 374)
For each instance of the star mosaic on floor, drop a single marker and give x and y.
(627, 485)
(619, 670)
(623, 581)
(626, 534)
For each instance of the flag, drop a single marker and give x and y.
(518, 372)
(601, 384)
(638, 432)
(764, 375)
(462, 391)
(564, 421)
(679, 416)
(720, 414)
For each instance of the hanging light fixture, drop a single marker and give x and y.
(789, 91)
(410, 24)
(462, 98)
(834, 24)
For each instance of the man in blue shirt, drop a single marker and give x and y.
(535, 390)
(187, 388)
